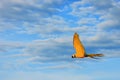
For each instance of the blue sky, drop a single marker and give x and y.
(36, 39)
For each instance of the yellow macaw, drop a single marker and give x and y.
(80, 50)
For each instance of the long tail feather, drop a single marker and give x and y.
(94, 55)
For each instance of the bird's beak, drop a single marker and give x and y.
(72, 57)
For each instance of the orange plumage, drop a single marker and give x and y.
(80, 50)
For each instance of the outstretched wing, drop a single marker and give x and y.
(80, 51)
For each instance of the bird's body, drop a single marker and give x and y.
(80, 50)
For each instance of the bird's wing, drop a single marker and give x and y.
(80, 51)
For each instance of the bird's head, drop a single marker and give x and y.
(73, 56)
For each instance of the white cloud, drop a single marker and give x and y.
(53, 26)
(7, 26)
(6, 45)
(111, 53)
(102, 5)
(102, 20)
(51, 51)
(41, 51)
(109, 24)
(79, 11)
(87, 21)
(15, 13)
(46, 76)
(63, 74)
(49, 48)
(32, 17)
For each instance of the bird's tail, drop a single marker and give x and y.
(94, 55)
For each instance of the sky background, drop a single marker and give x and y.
(36, 39)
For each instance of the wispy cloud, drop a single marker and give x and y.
(54, 23)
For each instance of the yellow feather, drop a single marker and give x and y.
(80, 51)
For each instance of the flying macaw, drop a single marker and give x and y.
(80, 50)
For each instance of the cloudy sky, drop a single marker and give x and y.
(36, 39)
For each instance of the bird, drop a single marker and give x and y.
(80, 50)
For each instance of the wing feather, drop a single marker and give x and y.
(79, 48)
